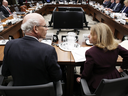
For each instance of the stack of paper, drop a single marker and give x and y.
(3, 42)
(49, 42)
(79, 54)
(124, 44)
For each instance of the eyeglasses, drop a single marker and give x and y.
(42, 26)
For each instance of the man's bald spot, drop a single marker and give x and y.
(34, 16)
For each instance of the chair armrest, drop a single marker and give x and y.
(58, 88)
(85, 88)
(10, 83)
(1, 79)
(123, 74)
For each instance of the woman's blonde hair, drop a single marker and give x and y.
(126, 2)
(105, 39)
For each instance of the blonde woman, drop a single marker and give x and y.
(102, 57)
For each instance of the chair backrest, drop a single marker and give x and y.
(2, 15)
(113, 87)
(34, 90)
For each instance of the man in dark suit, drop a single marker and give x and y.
(117, 6)
(112, 4)
(29, 61)
(106, 3)
(20, 2)
(4, 8)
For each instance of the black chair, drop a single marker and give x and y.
(49, 89)
(107, 87)
(1, 79)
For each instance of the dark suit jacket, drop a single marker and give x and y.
(30, 62)
(20, 2)
(107, 4)
(100, 64)
(112, 5)
(118, 8)
(4, 10)
(125, 11)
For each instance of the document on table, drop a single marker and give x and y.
(3, 42)
(49, 42)
(79, 54)
(124, 44)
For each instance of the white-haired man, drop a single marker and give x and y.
(29, 61)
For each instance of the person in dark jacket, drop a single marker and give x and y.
(102, 57)
(4, 8)
(29, 61)
(106, 3)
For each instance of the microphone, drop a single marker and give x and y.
(8, 23)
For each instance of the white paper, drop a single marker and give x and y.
(79, 54)
(3, 42)
(124, 44)
(49, 42)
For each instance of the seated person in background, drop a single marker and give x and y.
(112, 4)
(117, 7)
(20, 2)
(106, 3)
(102, 57)
(4, 8)
(125, 8)
(29, 61)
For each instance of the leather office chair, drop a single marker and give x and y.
(107, 87)
(49, 89)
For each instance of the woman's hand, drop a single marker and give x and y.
(78, 79)
(120, 70)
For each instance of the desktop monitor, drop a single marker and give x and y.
(68, 20)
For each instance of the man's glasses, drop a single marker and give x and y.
(42, 26)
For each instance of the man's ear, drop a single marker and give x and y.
(35, 29)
